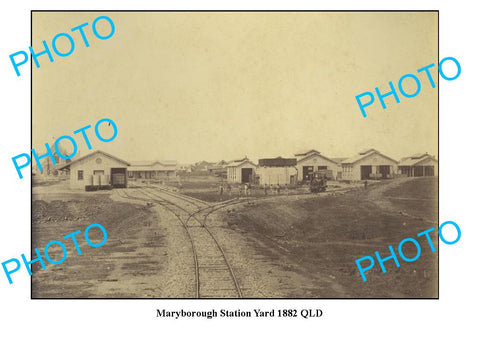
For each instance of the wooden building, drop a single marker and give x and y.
(273, 171)
(161, 170)
(368, 164)
(418, 165)
(312, 161)
(97, 168)
(241, 171)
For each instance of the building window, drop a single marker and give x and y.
(80, 175)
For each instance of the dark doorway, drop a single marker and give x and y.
(292, 180)
(247, 174)
(384, 170)
(429, 170)
(365, 171)
(307, 173)
(119, 177)
(418, 171)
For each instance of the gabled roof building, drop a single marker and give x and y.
(312, 161)
(97, 168)
(241, 171)
(418, 165)
(368, 164)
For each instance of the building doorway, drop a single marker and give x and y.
(429, 170)
(418, 171)
(307, 173)
(384, 170)
(365, 171)
(247, 175)
(119, 177)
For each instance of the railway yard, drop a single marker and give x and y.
(169, 243)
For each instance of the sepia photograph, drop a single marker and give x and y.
(226, 154)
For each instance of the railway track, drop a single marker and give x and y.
(192, 200)
(214, 276)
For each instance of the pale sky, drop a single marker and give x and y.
(211, 86)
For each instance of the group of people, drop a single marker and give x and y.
(243, 190)
(246, 189)
(274, 189)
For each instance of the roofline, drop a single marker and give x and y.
(306, 153)
(245, 161)
(420, 160)
(369, 154)
(91, 154)
(316, 154)
(154, 162)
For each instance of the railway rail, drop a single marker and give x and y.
(214, 276)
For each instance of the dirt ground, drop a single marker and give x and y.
(278, 246)
(325, 235)
(207, 188)
(138, 259)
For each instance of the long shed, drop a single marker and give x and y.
(272, 171)
(152, 169)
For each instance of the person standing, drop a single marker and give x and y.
(221, 190)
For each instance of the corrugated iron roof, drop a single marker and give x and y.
(150, 163)
(417, 158)
(238, 162)
(90, 155)
(306, 152)
(338, 159)
(363, 155)
(418, 155)
(277, 162)
(312, 155)
(365, 151)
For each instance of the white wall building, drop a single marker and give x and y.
(312, 161)
(97, 168)
(273, 171)
(241, 171)
(368, 164)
